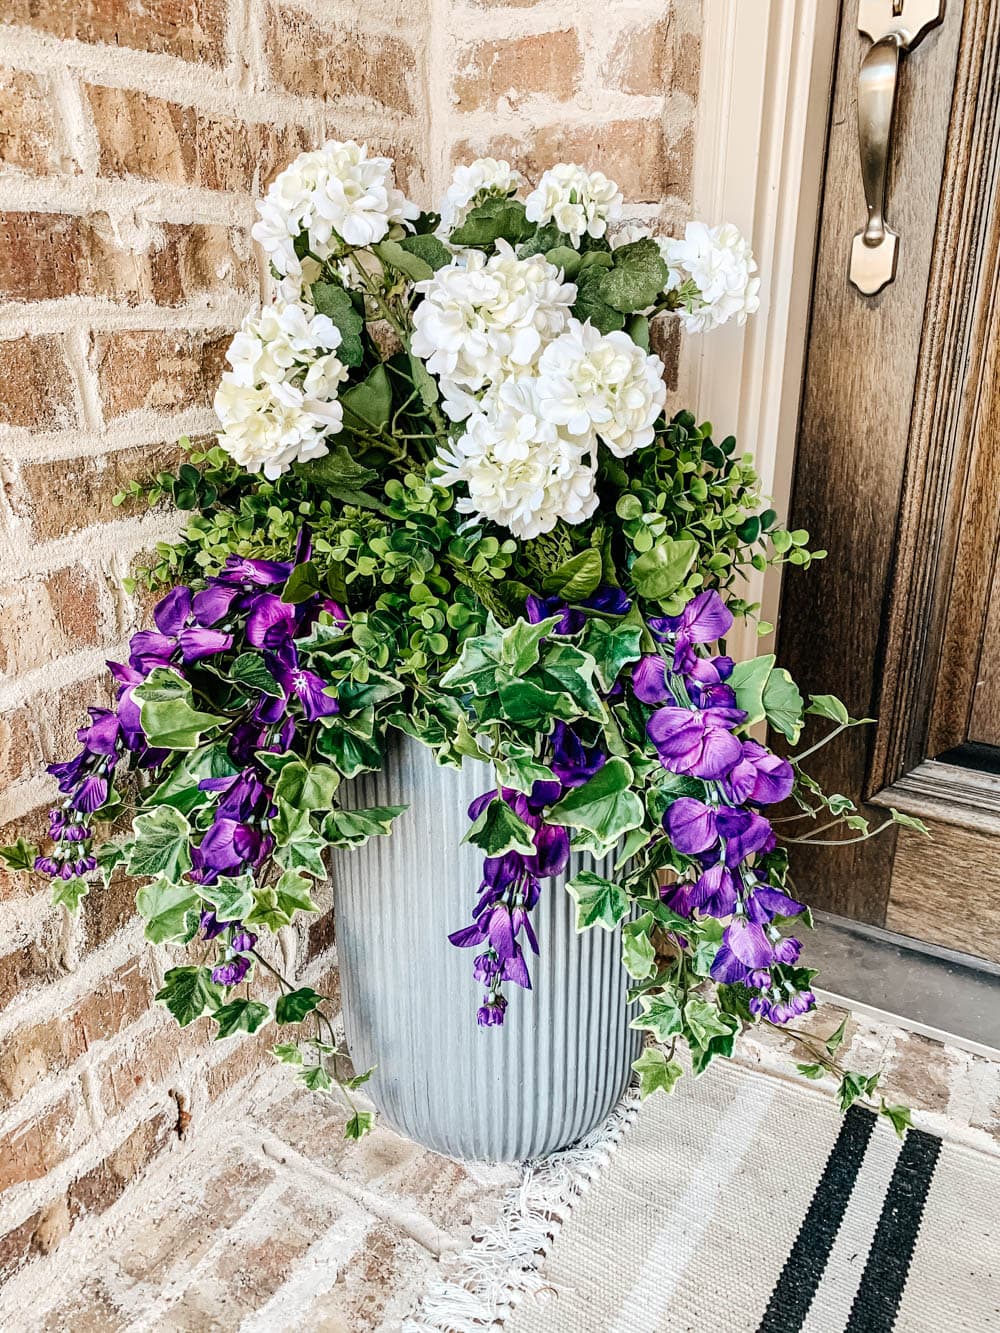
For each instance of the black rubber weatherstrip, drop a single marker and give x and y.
(881, 1288)
(794, 1291)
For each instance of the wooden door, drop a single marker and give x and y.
(897, 475)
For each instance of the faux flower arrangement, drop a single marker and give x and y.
(445, 502)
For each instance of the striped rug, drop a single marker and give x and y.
(747, 1204)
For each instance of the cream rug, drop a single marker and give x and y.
(746, 1204)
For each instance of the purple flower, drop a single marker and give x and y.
(759, 776)
(211, 926)
(610, 599)
(232, 971)
(542, 608)
(692, 742)
(764, 903)
(298, 682)
(491, 1011)
(572, 762)
(744, 832)
(705, 619)
(242, 940)
(248, 573)
(91, 794)
(177, 628)
(649, 679)
(271, 622)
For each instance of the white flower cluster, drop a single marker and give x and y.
(339, 197)
(580, 203)
(719, 262)
(485, 178)
(279, 398)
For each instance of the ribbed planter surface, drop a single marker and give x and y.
(561, 1060)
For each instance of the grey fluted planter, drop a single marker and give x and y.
(561, 1060)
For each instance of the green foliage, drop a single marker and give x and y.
(604, 808)
(492, 220)
(498, 830)
(167, 714)
(599, 901)
(293, 1006)
(656, 1072)
(189, 992)
(69, 892)
(170, 911)
(240, 1016)
(160, 844)
(19, 856)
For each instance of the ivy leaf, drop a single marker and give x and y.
(908, 821)
(569, 670)
(492, 220)
(662, 569)
(298, 845)
(605, 805)
(656, 1072)
(170, 911)
(637, 277)
(353, 828)
(478, 663)
(898, 1117)
(249, 669)
(783, 704)
(109, 855)
(638, 954)
(240, 1016)
(370, 402)
(316, 1078)
(352, 1084)
(704, 1021)
(576, 578)
(294, 894)
(293, 1006)
(161, 844)
(332, 300)
(69, 892)
(288, 1052)
(854, 1086)
(231, 898)
(661, 1015)
(599, 901)
(811, 1071)
(521, 644)
(167, 715)
(835, 1040)
(180, 789)
(351, 753)
(498, 830)
(19, 856)
(517, 767)
(359, 1125)
(189, 992)
(307, 786)
(612, 647)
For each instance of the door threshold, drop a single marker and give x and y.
(947, 996)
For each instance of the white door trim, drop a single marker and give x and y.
(766, 70)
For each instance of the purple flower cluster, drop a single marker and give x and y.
(693, 731)
(234, 967)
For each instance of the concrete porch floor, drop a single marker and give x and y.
(267, 1221)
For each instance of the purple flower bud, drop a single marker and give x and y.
(232, 972)
(45, 865)
(242, 941)
(491, 1012)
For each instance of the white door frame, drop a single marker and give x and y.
(763, 101)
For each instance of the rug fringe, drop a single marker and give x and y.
(501, 1267)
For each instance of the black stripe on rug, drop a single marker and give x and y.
(796, 1286)
(881, 1289)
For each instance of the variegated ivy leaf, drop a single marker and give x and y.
(240, 1016)
(638, 954)
(353, 828)
(230, 898)
(167, 713)
(605, 805)
(189, 992)
(599, 902)
(498, 830)
(661, 1015)
(656, 1072)
(170, 911)
(160, 844)
(69, 892)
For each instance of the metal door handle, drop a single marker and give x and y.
(894, 26)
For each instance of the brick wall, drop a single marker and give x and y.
(133, 138)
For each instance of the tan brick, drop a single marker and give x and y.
(153, 1060)
(33, 827)
(27, 127)
(635, 153)
(21, 750)
(35, 384)
(31, 1149)
(32, 1053)
(69, 494)
(39, 1234)
(99, 1188)
(147, 136)
(45, 617)
(330, 61)
(48, 255)
(549, 63)
(161, 370)
(191, 29)
(686, 72)
(641, 60)
(39, 960)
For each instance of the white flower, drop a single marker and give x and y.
(719, 262)
(593, 382)
(520, 469)
(279, 399)
(578, 202)
(473, 183)
(338, 196)
(482, 321)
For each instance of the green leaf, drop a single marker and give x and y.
(189, 992)
(661, 1015)
(316, 1078)
(166, 713)
(637, 277)
(703, 1021)
(170, 911)
(359, 1125)
(520, 645)
(231, 898)
(293, 1006)
(638, 954)
(566, 258)
(109, 855)
(783, 704)
(339, 472)
(307, 786)
(359, 1080)
(423, 381)
(411, 265)
(69, 892)
(332, 300)
(637, 329)
(249, 669)
(431, 250)
(898, 1117)
(298, 845)
(302, 583)
(828, 705)
(180, 788)
(599, 902)
(591, 304)
(811, 1071)
(161, 844)
(570, 670)
(576, 578)
(662, 569)
(288, 1052)
(656, 1072)
(835, 1040)
(498, 830)
(353, 828)
(240, 1016)
(612, 647)
(351, 753)
(854, 1086)
(494, 219)
(747, 681)
(19, 856)
(477, 665)
(517, 767)
(370, 402)
(605, 805)
(909, 821)
(294, 894)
